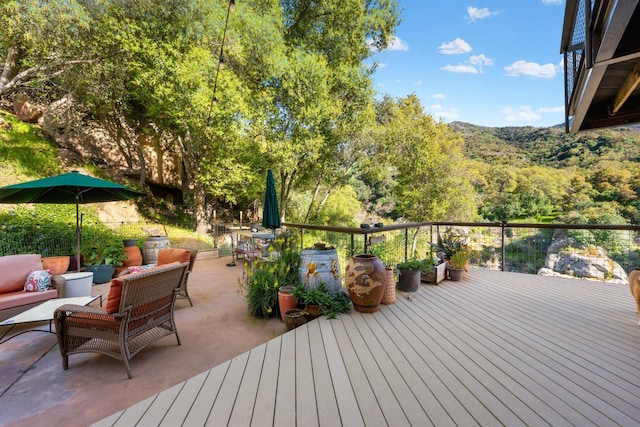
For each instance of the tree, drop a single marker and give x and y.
(432, 182)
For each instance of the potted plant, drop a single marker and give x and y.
(319, 301)
(434, 269)
(457, 264)
(102, 259)
(409, 274)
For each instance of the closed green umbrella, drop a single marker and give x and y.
(68, 188)
(271, 213)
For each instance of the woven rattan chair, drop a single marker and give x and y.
(143, 315)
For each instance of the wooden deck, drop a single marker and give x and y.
(495, 349)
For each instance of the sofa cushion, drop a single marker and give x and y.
(170, 255)
(38, 281)
(14, 270)
(18, 298)
(115, 293)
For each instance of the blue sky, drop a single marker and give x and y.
(490, 63)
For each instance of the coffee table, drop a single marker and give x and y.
(43, 313)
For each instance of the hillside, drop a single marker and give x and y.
(520, 146)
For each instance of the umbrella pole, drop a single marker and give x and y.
(78, 237)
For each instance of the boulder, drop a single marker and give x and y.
(25, 109)
(581, 262)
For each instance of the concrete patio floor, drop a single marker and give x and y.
(36, 391)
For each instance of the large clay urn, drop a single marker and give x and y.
(365, 280)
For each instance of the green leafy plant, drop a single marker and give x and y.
(329, 305)
(460, 258)
(412, 264)
(107, 254)
(266, 277)
(449, 243)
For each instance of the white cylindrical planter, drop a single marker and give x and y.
(78, 284)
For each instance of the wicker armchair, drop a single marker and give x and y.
(143, 315)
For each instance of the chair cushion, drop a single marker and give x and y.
(14, 270)
(38, 281)
(115, 293)
(169, 255)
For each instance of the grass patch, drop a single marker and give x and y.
(24, 153)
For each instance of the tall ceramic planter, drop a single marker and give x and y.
(365, 280)
(389, 296)
(286, 300)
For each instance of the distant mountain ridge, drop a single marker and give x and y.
(550, 146)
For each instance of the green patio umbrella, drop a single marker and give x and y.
(270, 213)
(68, 188)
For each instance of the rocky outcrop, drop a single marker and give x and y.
(566, 258)
(111, 144)
(25, 109)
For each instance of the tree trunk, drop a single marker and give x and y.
(10, 69)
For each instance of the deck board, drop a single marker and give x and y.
(494, 349)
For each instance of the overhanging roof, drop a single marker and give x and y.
(606, 88)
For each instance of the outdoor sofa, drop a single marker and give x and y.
(138, 312)
(14, 270)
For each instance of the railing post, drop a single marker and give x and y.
(502, 228)
(352, 245)
(406, 243)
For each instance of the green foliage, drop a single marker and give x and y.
(105, 253)
(266, 277)
(48, 230)
(614, 241)
(432, 183)
(449, 243)
(329, 305)
(412, 264)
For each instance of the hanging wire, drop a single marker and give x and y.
(214, 100)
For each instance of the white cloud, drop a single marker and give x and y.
(473, 66)
(468, 69)
(552, 1)
(381, 65)
(418, 83)
(531, 69)
(543, 110)
(473, 13)
(445, 114)
(396, 43)
(480, 60)
(438, 96)
(520, 114)
(455, 47)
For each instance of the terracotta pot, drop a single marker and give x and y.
(57, 264)
(313, 311)
(286, 300)
(134, 256)
(456, 274)
(389, 296)
(365, 280)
